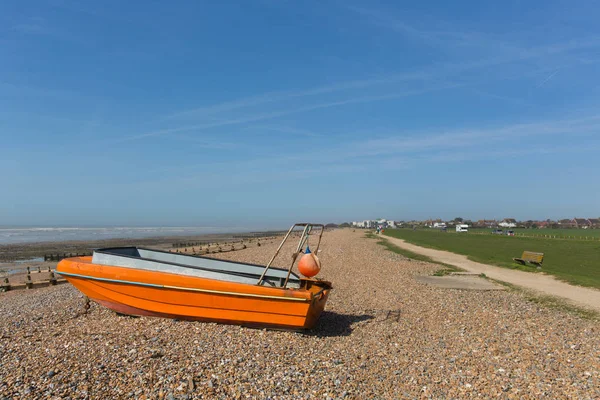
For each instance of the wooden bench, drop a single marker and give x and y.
(531, 257)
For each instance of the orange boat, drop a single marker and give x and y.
(139, 281)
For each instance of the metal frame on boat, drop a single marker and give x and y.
(303, 240)
(142, 281)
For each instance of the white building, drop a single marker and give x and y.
(363, 224)
(508, 223)
(439, 225)
(462, 228)
(367, 224)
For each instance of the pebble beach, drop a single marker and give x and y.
(383, 335)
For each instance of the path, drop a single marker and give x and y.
(543, 283)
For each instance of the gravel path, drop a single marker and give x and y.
(383, 336)
(547, 284)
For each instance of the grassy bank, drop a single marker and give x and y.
(564, 234)
(573, 261)
(445, 270)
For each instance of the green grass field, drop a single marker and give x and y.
(576, 234)
(575, 261)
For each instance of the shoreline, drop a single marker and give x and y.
(14, 252)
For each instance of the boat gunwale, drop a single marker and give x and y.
(236, 273)
(199, 290)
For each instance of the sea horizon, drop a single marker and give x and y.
(35, 234)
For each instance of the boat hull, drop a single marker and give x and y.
(148, 293)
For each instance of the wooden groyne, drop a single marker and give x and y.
(58, 257)
(29, 283)
(16, 281)
(219, 247)
(241, 238)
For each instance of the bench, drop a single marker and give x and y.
(531, 257)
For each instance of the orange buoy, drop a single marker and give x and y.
(309, 265)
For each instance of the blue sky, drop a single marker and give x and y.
(260, 114)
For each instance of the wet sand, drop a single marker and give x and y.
(25, 251)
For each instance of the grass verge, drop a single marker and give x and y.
(553, 302)
(448, 269)
(548, 301)
(576, 262)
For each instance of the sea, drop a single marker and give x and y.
(13, 235)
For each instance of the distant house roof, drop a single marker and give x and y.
(594, 221)
(581, 221)
(510, 220)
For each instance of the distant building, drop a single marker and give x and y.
(566, 223)
(581, 223)
(486, 223)
(369, 224)
(439, 225)
(508, 223)
(366, 224)
(595, 222)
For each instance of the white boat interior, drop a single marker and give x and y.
(197, 266)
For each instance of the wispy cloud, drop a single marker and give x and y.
(448, 140)
(18, 90)
(433, 86)
(427, 79)
(278, 96)
(42, 28)
(547, 79)
(427, 74)
(453, 38)
(208, 143)
(450, 38)
(513, 100)
(276, 114)
(290, 131)
(406, 150)
(30, 29)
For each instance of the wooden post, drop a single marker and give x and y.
(28, 281)
(52, 279)
(5, 287)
